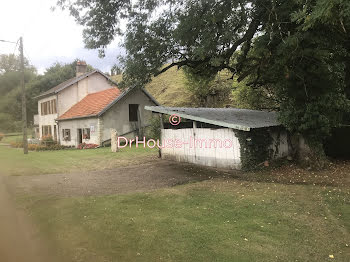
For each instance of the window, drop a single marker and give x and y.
(46, 131)
(48, 107)
(86, 133)
(66, 134)
(133, 115)
(54, 106)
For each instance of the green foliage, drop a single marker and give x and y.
(40, 147)
(11, 64)
(10, 101)
(10, 89)
(293, 53)
(208, 91)
(249, 97)
(202, 35)
(154, 131)
(255, 147)
(307, 79)
(306, 68)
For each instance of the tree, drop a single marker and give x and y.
(333, 16)
(10, 100)
(116, 70)
(307, 72)
(202, 35)
(213, 91)
(296, 51)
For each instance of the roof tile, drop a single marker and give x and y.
(92, 104)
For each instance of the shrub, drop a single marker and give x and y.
(16, 144)
(41, 147)
(1, 136)
(154, 127)
(87, 146)
(35, 147)
(47, 138)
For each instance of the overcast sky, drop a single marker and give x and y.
(49, 36)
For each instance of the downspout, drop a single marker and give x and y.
(58, 125)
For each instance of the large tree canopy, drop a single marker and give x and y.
(297, 51)
(203, 35)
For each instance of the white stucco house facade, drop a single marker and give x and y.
(84, 109)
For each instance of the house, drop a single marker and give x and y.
(222, 137)
(84, 108)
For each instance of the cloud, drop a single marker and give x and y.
(49, 37)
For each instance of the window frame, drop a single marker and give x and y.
(48, 107)
(87, 132)
(133, 112)
(64, 134)
(46, 130)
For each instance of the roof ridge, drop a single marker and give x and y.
(108, 89)
(71, 81)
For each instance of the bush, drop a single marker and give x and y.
(41, 147)
(1, 136)
(154, 128)
(35, 147)
(48, 140)
(16, 144)
(87, 146)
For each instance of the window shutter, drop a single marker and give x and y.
(54, 106)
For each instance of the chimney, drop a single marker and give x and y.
(80, 68)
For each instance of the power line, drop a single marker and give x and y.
(27, 56)
(14, 50)
(6, 41)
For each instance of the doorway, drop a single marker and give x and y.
(55, 133)
(80, 136)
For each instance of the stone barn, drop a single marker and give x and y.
(222, 137)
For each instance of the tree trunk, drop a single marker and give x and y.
(310, 153)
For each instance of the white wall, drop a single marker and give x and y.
(46, 120)
(117, 117)
(76, 124)
(70, 96)
(73, 94)
(206, 155)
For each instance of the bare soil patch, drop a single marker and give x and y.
(157, 173)
(19, 238)
(144, 177)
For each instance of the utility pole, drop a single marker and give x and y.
(24, 110)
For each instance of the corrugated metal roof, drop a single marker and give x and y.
(241, 119)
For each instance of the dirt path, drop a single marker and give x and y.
(19, 239)
(144, 177)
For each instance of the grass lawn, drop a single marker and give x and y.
(12, 137)
(14, 162)
(209, 221)
(223, 219)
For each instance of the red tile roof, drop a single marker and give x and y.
(92, 104)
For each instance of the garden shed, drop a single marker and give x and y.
(221, 137)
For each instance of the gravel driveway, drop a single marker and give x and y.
(149, 176)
